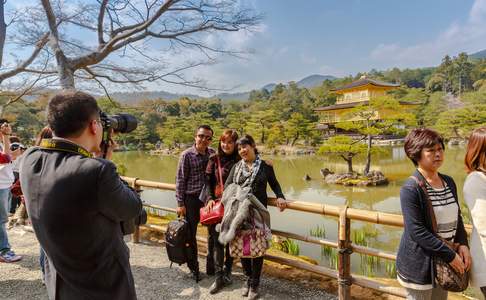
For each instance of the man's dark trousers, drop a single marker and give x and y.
(193, 204)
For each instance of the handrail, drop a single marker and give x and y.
(344, 243)
(316, 208)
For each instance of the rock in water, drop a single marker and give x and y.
(325, 172)
(307, 177)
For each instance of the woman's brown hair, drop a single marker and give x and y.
(228, 134)
(45, 133)
(418, 139)
(475, 158)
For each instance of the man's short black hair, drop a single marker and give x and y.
(69, 112)
(207, 127)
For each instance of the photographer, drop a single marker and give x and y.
(77, 204)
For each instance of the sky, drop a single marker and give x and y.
(300, 38)
(332, 37)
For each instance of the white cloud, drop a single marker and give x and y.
(469, 36)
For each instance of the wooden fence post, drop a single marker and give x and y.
(344, 255)
(136, 234)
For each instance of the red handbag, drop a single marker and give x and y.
(215, 215)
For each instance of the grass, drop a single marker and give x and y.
(326, 251)
(318, 232)
(291, 247)
(288, 246)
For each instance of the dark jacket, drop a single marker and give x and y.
(212, 172)
(265, 175)
(76, 204)
(419, 245)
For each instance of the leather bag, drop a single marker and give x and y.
(215, 215)
(249, 243)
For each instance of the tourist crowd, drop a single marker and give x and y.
(78, 206)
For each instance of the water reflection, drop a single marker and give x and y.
(290, 172)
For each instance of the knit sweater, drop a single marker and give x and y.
(475, 197)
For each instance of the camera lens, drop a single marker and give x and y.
(123, 123)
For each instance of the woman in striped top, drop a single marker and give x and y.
(419, 244)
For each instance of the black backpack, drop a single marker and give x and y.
(177, 241)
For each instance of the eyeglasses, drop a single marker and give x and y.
(206, 137)
(15, 146)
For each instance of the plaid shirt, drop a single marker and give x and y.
(190, 176)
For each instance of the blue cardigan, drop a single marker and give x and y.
(419, 245)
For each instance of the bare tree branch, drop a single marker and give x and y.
(14, 97)
(65, 72)
(22, 66)
(127, 28)
(3, 30)
(101, 17)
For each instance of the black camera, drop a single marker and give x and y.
(120, 123)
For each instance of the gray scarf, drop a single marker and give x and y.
(243, 170)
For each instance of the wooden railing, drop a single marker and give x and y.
(344, 244)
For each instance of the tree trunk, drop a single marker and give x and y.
(350, 164)
(262, 139)
(3, 30)
(294, 140)
(66, 76)
(349, 160)
(368, 156)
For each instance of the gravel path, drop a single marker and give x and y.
(153, 277)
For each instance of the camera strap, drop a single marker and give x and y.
(65, 146)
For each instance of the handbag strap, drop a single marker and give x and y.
(430, 208)
(220, 173)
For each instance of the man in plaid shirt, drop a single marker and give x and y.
(190, 180)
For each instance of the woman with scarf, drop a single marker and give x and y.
(219, 260)
(253, 173)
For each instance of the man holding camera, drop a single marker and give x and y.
(77, 204)
(6, 180)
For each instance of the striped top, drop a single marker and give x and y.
(446, 210)
(446, 213)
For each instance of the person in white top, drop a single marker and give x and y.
(6, 180)
(475, 197)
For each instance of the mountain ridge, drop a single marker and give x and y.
(133, 97)
(478, 55)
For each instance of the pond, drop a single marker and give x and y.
(290, 172)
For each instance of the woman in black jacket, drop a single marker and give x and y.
(419, 244)
(219, 261)
(259, 173)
